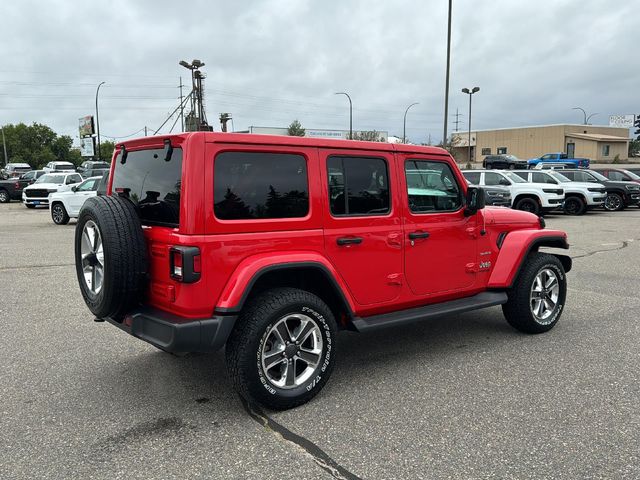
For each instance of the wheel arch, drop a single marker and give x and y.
(311, 275)
(513, 255)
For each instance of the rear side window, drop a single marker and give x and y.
(152, 184)
(491, 178)
(473, 177)
(542, 178)
(252, 185)
(358, 186)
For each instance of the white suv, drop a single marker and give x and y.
(66, 205)
(530, 197)
(55, 167)
(38, 193)
(579, 196)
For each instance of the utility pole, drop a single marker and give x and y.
(98, 120)
(4, 146)
(196, 119)
(457, 120)
(181, 107)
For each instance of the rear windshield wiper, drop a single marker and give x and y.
(168, 150)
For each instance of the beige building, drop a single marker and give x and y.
(598, 143)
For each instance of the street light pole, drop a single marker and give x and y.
(446, 87)
(589, 118)
(470, 93)
(404, 125)
(350, 113)
(98, 120)
(583, 113)
(4, 146)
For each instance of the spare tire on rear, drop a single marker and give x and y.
(111, 256)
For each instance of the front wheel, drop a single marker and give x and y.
(282, 350)
(538, 295)
(59, 214)
(574, 206)
(528, 205)
(613, 202)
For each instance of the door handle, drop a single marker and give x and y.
(417, 235)
(349, 241)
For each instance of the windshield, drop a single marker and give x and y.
(514, 178)
(558, 176)
(598, 175)
(632, 175)
(49, 178)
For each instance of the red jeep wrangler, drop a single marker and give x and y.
(270, 244)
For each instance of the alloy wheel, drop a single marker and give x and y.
(612, 203)
(292, 351)
(92, 255)
(57, 213)
(543, 299)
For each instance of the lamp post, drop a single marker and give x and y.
(404, 124)
(586, 118)
(446, 88)
(470, 93)
(350, 113)
(98, 120)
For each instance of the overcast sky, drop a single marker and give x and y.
(270, 62)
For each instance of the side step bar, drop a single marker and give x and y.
(481, 300)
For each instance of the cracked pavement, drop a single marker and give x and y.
(463, 397)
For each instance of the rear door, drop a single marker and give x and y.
(363, 231)
(440, 254)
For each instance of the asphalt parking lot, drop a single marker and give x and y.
(464, 397)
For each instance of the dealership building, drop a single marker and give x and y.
(598, 143)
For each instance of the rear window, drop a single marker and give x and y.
(64, 166)
(251, 185)
(152, 184)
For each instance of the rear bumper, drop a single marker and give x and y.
(177, 334)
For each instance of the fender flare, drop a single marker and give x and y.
(249, 271)
(513, 254)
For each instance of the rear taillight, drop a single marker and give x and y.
(185, 264)
(16, 185)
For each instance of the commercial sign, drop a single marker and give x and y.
(621, 121)
(86, 126)
(87, 147)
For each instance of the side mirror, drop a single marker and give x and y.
(474, 201)
(74, 188)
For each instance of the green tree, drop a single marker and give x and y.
(296, 129)
(106, 150)
(368, 136)
(634, 148)
(37, 145)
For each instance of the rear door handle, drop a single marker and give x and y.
(349, 241)
(417, 235)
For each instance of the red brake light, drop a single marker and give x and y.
(16, 185)
(197, 267)
(185, 264)
(176, 264)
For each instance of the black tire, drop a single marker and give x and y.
(29, 205)
(574, 206)
(252, 336)
(528, 205)
(125, 256)
(59, 214)
(4, 196)
(613, 202)
(512, 167)
(518, 309)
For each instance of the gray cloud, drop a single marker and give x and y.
(269, 62)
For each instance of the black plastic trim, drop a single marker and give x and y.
(177, 334)
(393, 319)
(549, 241)
(286, 266)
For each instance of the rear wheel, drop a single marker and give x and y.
(538, 295)
(574, 206)
(282, 350)
(613, 202)
(528, 205)
(4, 196)
(59, 214)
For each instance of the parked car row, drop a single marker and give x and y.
(549, 160)
(573, 191)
